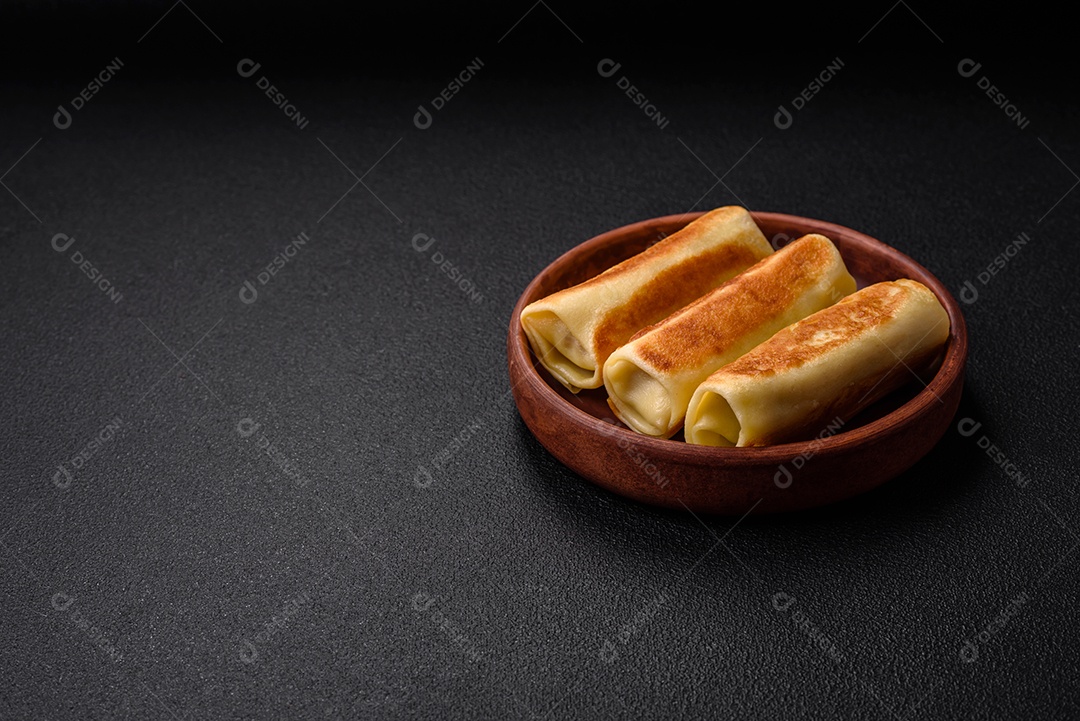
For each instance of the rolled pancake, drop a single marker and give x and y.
(572, 332)
(830, 365)
(651, 379)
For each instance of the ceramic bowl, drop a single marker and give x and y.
(876, 446)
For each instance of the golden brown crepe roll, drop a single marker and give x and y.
(651, 379)
(572, 332)
(832, 364)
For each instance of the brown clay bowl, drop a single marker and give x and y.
(874, 447)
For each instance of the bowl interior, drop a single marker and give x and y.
(868, 260)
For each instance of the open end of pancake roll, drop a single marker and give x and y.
(712, 422)
(560, 351)
(639, 400)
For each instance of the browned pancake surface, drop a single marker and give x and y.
(656, 301)
(669, 245)
(817, 335)
(710, 325)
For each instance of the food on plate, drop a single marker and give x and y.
(652, 378)
(573, 331)
(829, 365)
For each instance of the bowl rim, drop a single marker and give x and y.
(916, 408)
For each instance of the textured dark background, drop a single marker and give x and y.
(409, 549)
